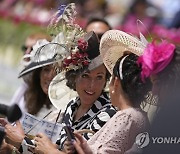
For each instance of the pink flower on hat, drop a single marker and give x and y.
(155, 58)
(76, 59)
(82, 44)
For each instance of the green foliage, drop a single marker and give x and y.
(12, 36)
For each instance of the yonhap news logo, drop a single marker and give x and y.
(143, 139)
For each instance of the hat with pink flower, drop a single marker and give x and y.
(153, 57)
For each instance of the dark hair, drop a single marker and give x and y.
(72, 74)
(96, 19)
(138, 2)
(131, 83)
(34, 96)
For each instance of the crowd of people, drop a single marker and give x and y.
(117, 12)
(102, 120)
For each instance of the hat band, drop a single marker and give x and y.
(120, 67)
(95, 63)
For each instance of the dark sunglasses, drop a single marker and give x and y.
(24, 48)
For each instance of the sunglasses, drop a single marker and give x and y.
(24, 48)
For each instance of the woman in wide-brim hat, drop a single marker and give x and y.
(115, 44)
(35, 101)
(40, 71)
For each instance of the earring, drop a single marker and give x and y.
(113, 92)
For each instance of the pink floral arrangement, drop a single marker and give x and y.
(79, 58)
(155, 58)
(82, 44)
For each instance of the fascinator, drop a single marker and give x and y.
(72, 47)
(39, 56)
(65, 35)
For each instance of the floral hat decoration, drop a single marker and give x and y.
(71, 46)
(86, 54)
(64, 33)
(155, 58)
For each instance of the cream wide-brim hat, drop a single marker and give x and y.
(60, 94)
(113, 45)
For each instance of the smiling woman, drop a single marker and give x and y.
(92, 108)
(35, 100)
(91, 83)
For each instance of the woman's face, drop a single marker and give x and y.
(46, 76)
(90, 84)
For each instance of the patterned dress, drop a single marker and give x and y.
(118, 135)
(100, 112)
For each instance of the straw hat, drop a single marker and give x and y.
(114, 43)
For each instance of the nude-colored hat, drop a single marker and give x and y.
(114, 43)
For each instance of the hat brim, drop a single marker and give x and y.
(44, 57)
(95, 63)
(59, 94)
(113, 45)
(34, 65)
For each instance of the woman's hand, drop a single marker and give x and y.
(44, 145)
(69, 147)
(14, 134)
(81, 145)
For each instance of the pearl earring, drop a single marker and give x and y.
(113, 92)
